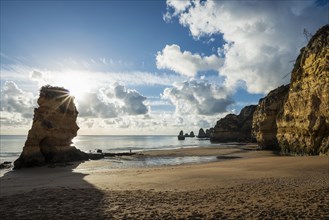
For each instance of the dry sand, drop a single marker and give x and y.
(260, 185)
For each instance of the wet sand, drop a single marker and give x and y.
(259, 185)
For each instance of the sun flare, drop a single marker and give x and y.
(77, 83)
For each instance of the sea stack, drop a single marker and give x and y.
(201, 134)
(303, 123)
(54, 126)
(181, 135)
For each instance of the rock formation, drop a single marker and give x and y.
(303, 124)
(54, 126)
(234, 128)
(264, 127)
(201, 134)
(209, 132)
(192, 134)
(181, 135)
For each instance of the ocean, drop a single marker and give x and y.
(11, 145)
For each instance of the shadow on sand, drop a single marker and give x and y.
(50, 193)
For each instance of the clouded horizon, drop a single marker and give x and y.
(142, 67)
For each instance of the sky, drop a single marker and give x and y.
(149, 67)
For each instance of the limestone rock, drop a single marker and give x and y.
(201, 134)
(303, 124)
(181, 135)
(208, 132)
(192, 134)
(264, 127)
(234, 128)
(54, 126)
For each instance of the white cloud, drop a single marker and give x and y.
(178, 6)
(16, 112)
(154, 123)
(112, 101)
(24, 74)
(186, 63)
(262, 36)
(103, 98)
(157, 103)
(15, 100)
(198, 98)
(132, 103)
(38, 77)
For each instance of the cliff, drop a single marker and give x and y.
(234, 128)
(54, 126)
(264, 127)
(303, 123)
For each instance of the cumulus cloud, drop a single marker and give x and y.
(178, 6)
(38, 77)
(198, 98)
(112, 101)
(131, 101)
(186, 63)
(15, 100)
(263, 37)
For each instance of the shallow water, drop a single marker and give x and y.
(137, 162)
(11, 145)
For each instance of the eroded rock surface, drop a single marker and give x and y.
(303, 124)
(234, 128)
(54, 126)
(264, 127)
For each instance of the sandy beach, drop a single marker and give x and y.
(255, 185)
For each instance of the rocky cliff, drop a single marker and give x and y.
(54, 126)
(264, 127)
(234, 128)
(303, 123)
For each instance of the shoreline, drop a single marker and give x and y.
(186, 151)
(258, 185)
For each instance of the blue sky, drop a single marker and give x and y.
(149, 67)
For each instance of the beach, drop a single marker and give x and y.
(244, 183)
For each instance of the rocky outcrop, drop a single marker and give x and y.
(303, 123)
(192, 134)
(264, 127)
(54, 126)
(209, 132)
(201, 133)
(204, 134)
(5, 165)
(181, 135)
(234, 128)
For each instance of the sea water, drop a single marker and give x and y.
(12, 145)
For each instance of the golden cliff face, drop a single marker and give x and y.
(54, 126)
(264, 127)
(303, 123)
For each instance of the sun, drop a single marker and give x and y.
(76, 82)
